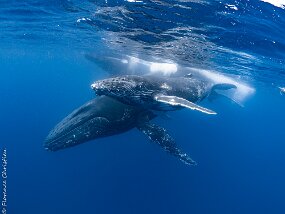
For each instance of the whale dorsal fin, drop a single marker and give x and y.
(160, 136)
(178, 101)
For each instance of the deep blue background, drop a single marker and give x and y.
(240, 152)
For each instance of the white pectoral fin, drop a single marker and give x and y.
(178, 101)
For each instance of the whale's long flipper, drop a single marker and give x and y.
(178, 101)
(160, 136)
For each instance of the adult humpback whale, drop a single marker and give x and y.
(104, 116)
(159, 93)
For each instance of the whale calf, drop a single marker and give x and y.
(159, 93)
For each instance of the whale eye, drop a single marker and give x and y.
(165, 86)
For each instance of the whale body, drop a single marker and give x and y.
(103, 117)
(158, 93)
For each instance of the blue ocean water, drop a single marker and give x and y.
(45, 75)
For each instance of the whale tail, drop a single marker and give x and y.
(223, 90)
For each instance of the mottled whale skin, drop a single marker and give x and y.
(139, 90)
(158, 93)
(104, 116)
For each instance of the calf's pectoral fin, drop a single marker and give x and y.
(178, 101)
(160, 136)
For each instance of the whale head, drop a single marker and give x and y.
(82, 125)
(90, 121)
(100, 117)
(123, 88)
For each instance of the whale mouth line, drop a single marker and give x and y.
(49, 144)
(61, 136)
(72, 137)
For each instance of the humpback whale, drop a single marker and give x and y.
(159, 93)
(105, 116)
